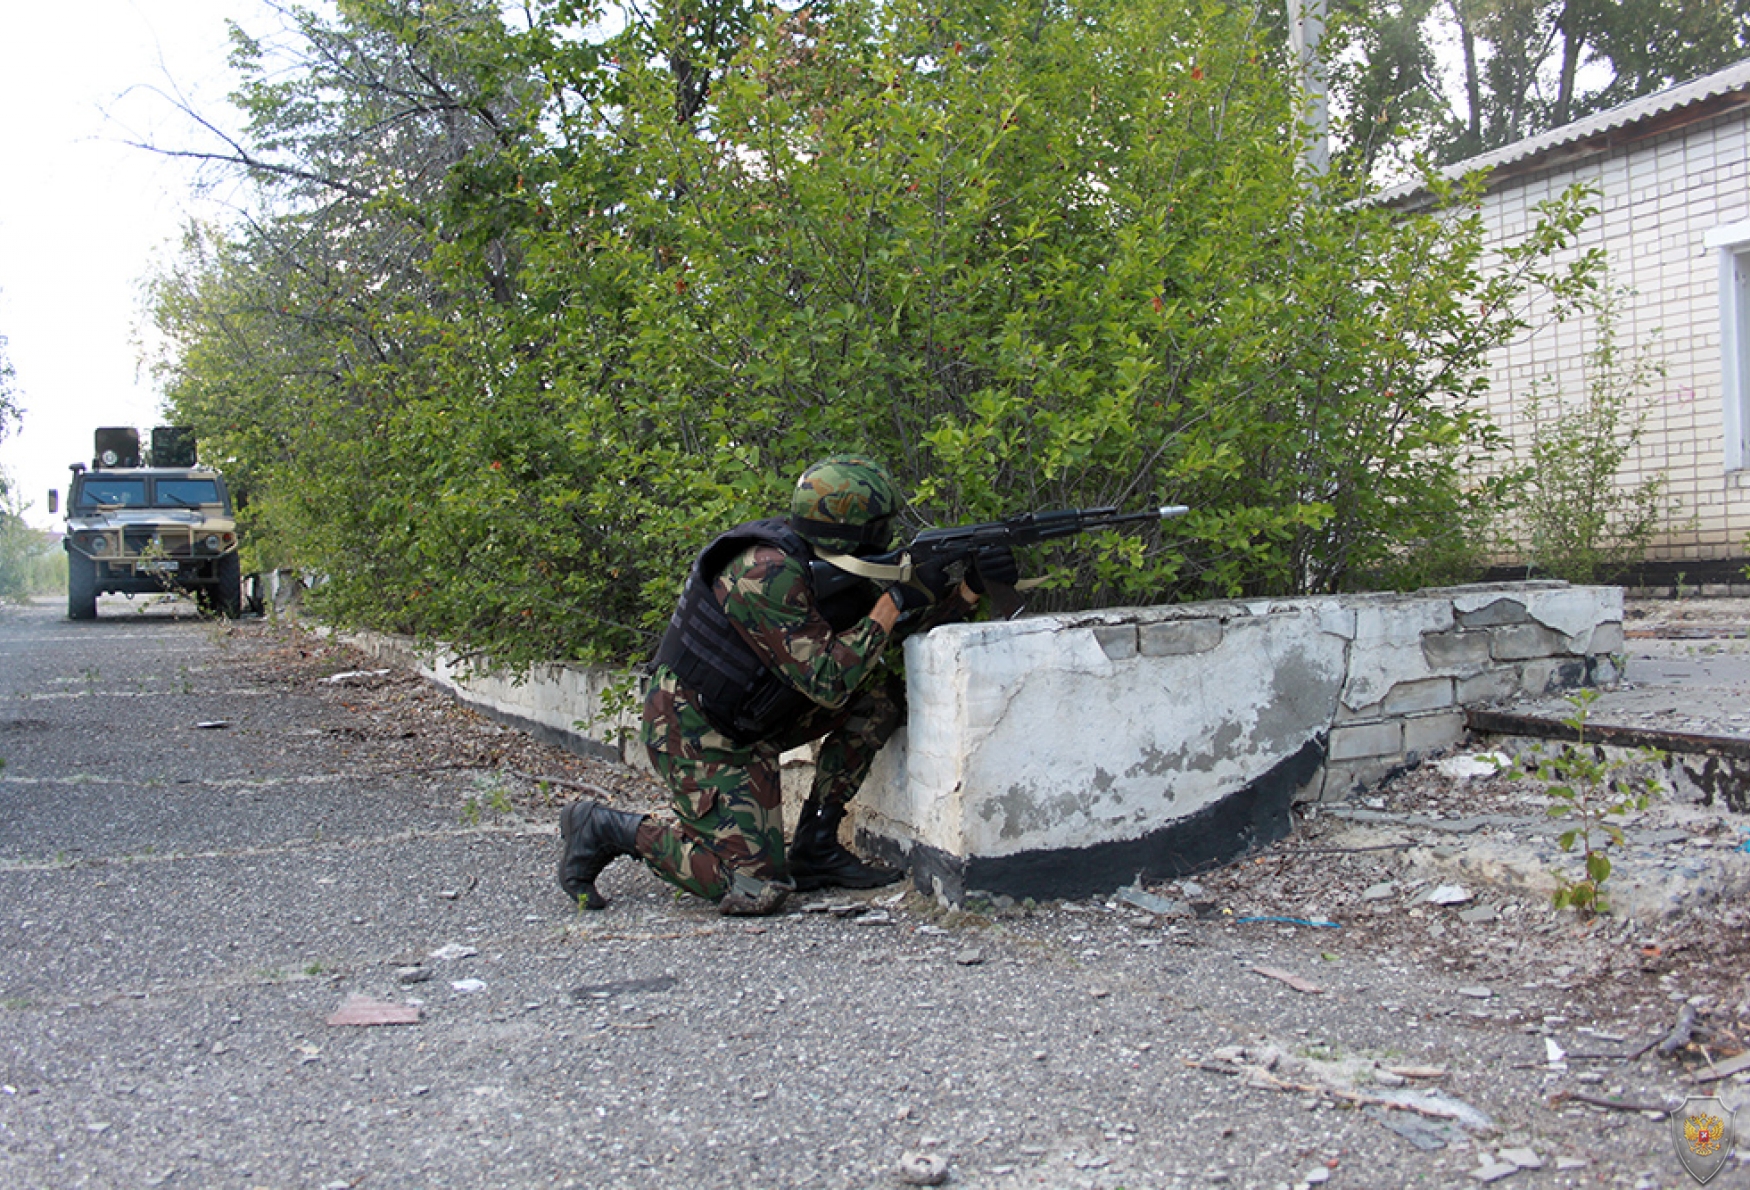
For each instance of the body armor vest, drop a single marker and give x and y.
(740, 696)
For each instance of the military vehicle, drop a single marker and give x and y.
(142, 525)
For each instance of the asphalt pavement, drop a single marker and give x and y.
(202, 876)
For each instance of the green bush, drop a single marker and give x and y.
(1578, 520)
(594, 303)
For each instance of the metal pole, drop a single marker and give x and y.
(1306, 28)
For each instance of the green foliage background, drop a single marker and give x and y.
(30, 564)
(1450, 79)
(523, 318)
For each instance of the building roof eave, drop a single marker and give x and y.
(1678, 107)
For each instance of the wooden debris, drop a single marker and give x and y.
(1257, 1076)
(1719, 1070)
(1292, 980)
(1681, 1033)
(362, 1010)
(1561, 1097)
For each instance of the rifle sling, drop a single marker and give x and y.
(901, 572)
(878, 572)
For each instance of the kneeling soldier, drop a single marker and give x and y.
(753, 665)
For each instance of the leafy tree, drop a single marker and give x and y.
(1524, 66)
(1652, 44)
(1385, 70)
(29, 563)
(10, 413)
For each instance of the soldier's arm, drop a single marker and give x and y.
(765, 595)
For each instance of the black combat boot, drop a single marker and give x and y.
(819, 860)
(594, 836)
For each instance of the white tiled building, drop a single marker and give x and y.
(1673, 171)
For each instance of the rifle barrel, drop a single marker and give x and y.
(1101, 517)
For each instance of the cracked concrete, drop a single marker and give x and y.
(1100, 738)
(1686, 695)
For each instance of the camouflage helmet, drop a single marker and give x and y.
(844, 502)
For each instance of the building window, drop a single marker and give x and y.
(1731, 245)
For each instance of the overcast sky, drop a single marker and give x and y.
(83, 216)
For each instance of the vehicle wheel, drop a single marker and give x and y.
(81, 588)
(228, 595)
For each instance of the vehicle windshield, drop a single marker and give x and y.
(187, 493)
(129, 493)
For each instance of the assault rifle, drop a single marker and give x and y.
(837, 576)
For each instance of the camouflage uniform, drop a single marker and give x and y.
(752, 666)
(726, 795)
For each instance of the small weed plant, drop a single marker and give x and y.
(1590, 791)
(495, 797)
(1583, 517)
(617, 710)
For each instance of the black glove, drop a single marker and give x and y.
(993, 564)
(929, 584)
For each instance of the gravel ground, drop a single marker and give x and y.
(188, 906)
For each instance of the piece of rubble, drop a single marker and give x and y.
(923, 1169)
(1442, 1105)
(1494, 1171)
(1378, 892)
(454, 950)
(1523, 1158)
(1427, 1135)
(1150, 903)
(1554, 1054)
(1477, 992)
(1449, 894)
(972, 956)
(1292, 980)
(351, 675)
(1468, 767)
(362, 1010)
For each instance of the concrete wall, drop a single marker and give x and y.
(1063, 755)
(569, 705)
